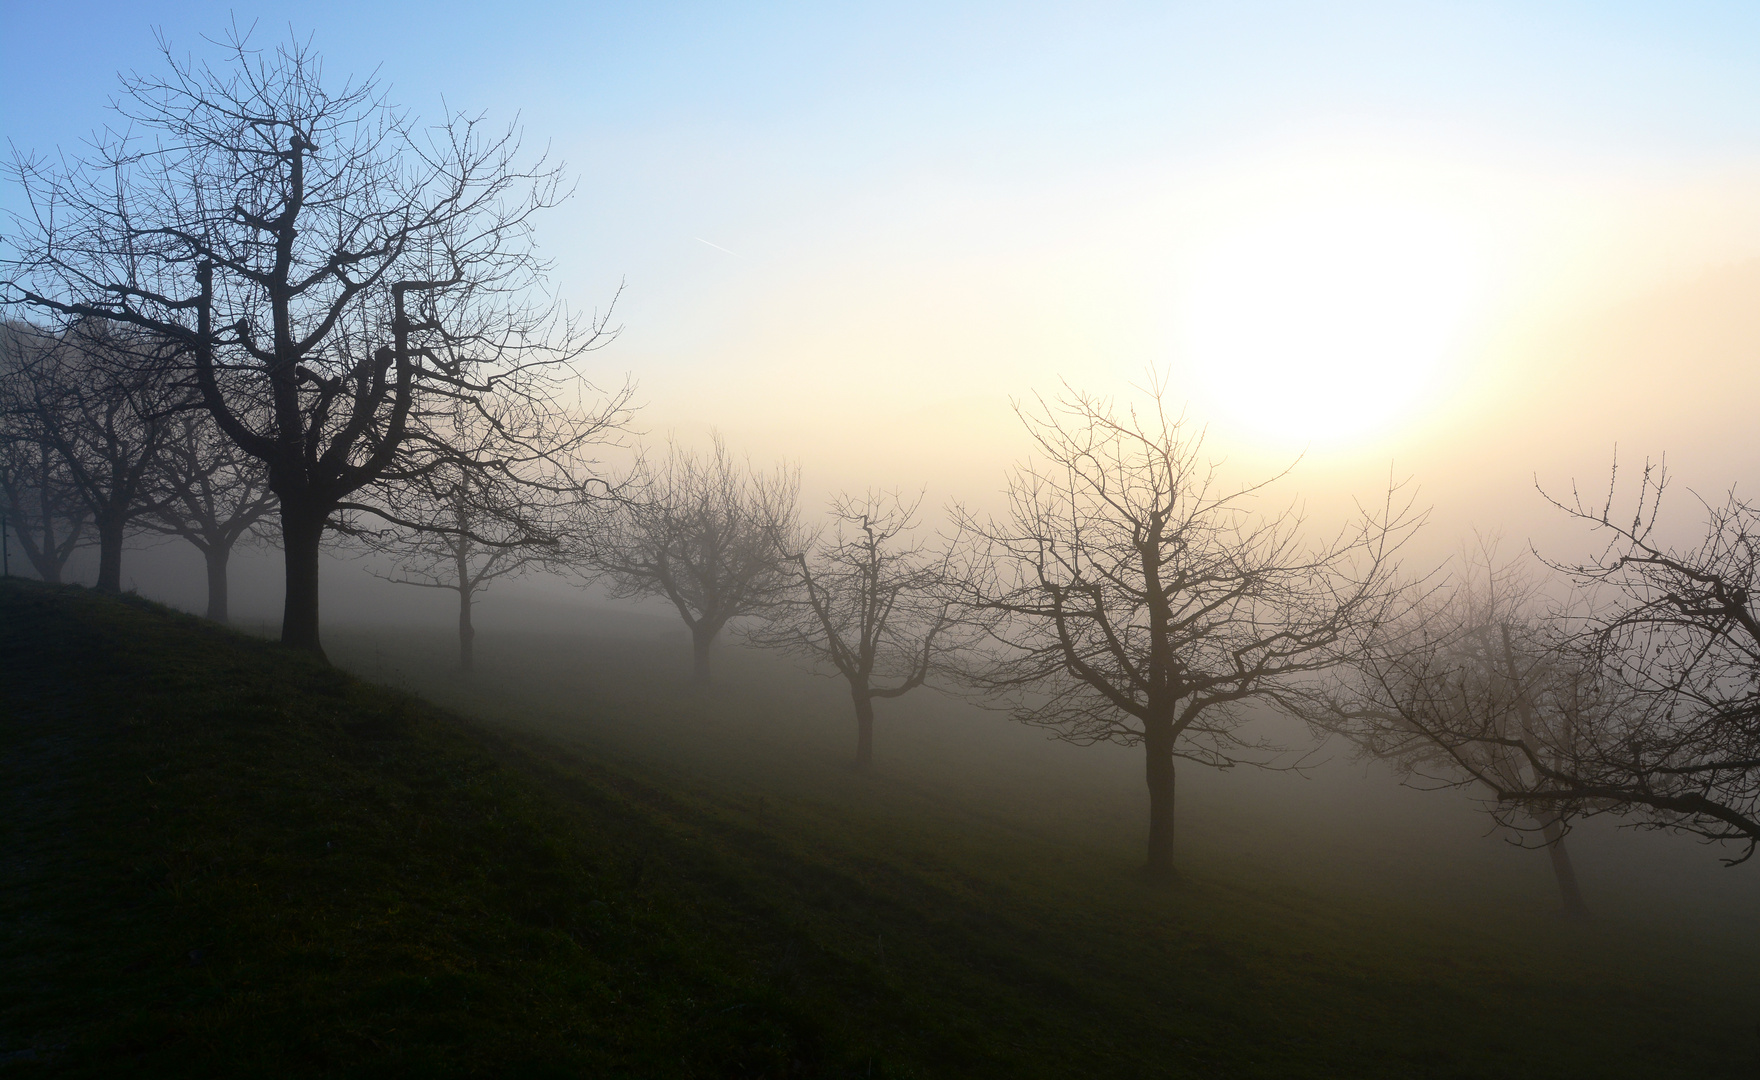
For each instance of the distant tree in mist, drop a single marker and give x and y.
(702, 531)
(43, 509)
(99, 398)
(1642, 699)
(505, 486)
(207, 491)
(1481, 685)
(327, 268)
(867, 600)
(1663, 647)
(1132, 597)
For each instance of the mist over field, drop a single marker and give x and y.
(1200, 539)
(1345, 825)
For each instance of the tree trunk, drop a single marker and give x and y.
(1159, 772)
(43, 559)
(701, 639)
(467, 634)
(1568, 893)
(110, 555)
(217, 558)
(48, 558)
(864, 729)
(301, 534)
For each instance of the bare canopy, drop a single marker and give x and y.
(99, 399)
(212, 494)
(38, 497)
(459, 527)
(869, 600)
(1135, 598)
(325, 265)
(1642, 698)
(700, 531)
(1481, 667)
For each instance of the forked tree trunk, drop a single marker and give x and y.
(1568, 892)
(110, 555)
(42, 559)
(864, 729)
(49, 557)
(47, 566)
(467, 634)
(217, 558)
(1158, 750)
(301, 535)
(701, 639)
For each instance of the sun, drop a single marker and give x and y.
(1328, 324)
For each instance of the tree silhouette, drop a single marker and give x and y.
(325, 265)
(212, 494)
(1133, 598)
(868, 601)
(701, 532)
(37, 496)
(462, 525)
(99, 397)
(1642, 698)
(1480, 667)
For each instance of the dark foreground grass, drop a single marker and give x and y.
(223, 858)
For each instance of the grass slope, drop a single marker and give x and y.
(219, 857)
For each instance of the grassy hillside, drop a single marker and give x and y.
(222, 858)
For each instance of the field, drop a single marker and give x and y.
(223, 858)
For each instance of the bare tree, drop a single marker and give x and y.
(40, 506)
(325, 264)
(507, 506)
(701, 532)
(212, 494)
(1134, 598)
(1644, 700)
(488, 536)
(1477, 669)
(100, 397)
(38, 499)
(1678, 631)
(868, 600)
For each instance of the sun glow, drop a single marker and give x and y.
(1328, 324)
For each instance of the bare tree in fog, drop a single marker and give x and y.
(701, 532)
(1133, 598)
(1475, 686)
(1645, 702)
(499, 499)
(1679, 632)
(325, 264)
(99, 396)
(42, 507)
(212, 494)
(870, 602)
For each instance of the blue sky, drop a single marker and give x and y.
(983, 84)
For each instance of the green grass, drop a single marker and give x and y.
(220, 857)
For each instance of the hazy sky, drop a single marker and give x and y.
(1475, 241)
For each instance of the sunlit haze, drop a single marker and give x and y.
(1331, 319)
(1456, 243)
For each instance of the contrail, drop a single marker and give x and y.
(717, 247)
